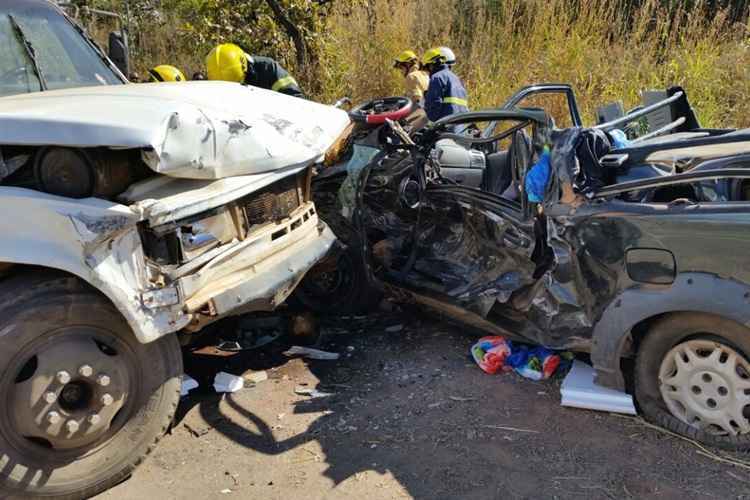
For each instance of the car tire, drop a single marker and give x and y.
(337, 287)
(693, 370)
(62, 339)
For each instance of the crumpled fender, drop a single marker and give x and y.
(93, 239)
(691, 292)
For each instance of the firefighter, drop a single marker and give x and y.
(416, 80)
(229, 62)
(446, 94)
(450, 57)
(165, 73)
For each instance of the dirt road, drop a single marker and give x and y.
(410, 415)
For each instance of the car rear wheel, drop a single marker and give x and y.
(81, 400)
(692, 376)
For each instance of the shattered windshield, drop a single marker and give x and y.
(63, 57)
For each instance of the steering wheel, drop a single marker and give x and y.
(377, 111)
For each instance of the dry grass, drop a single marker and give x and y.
(506, 44)
(503, 45)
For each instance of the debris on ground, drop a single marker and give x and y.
(394, 328)
(308, 352)
(496, 353)
(578, 390)
(226, 382)
(490, 353)
(536, 363)
(313, 393)
(256, 377)
(188, 384)
(197, 431)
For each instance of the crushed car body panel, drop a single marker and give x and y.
(194, 130)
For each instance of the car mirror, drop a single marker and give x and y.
(118, 51)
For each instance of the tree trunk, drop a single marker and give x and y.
(294, 33)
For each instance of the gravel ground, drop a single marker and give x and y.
(409, 415)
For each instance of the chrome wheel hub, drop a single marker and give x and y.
(706, 384)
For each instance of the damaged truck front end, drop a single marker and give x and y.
(179, 214)
(131, 213)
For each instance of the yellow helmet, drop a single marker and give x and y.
(227, 62)
(405, 57)
(433, 56)
(165, 73)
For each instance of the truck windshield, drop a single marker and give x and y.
(64, 58)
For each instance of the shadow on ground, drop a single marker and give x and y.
(408, 402)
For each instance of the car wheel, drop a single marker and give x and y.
(82, 402)
(692, 376)
(337, 285)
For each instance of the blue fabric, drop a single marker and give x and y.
(444, 83)
(537, 178)
(619, 139)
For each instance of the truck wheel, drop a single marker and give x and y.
(82, 402)
(692, 376)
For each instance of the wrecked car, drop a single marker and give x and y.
(633, 253)
(131, 213)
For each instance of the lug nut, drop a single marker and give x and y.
(53, 417)
(72, 426)
(103, 380)
(85, 371)
(63, 377)
(50, 397)
(107, 399)
(94, 419)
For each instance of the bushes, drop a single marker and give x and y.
(607, 49)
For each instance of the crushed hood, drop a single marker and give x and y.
(195, 130)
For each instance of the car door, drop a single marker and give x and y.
(463, 246)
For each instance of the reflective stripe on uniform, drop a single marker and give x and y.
(456, 100)
(283, 83)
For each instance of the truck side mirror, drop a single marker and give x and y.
(118, 51)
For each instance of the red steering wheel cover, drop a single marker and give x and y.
(380, 118)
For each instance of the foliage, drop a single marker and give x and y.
(607, 49)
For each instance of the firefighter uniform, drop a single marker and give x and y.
(446, 94)
(231, 63)
(266, 73)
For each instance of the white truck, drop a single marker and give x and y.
(130, 213)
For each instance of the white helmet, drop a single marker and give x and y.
(450, 57)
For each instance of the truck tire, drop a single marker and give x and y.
(692, 376)
(82, 402)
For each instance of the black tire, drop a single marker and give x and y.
(349, 293)
(660, 339)
(40, 309)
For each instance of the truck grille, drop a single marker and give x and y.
(273, 203)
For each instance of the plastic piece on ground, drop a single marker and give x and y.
(490, 353)
(307, 352)
(578, 390)
(313, 393)
(537, 178)
(536, 363)
(226, 382)
(188, 384)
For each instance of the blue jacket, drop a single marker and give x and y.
(446, 95)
